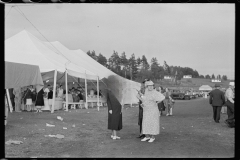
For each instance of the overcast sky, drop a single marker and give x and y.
(199, 36)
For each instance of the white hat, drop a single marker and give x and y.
(231, 84)
(149, 83)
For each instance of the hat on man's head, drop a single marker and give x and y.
(231, 84)
(217, 85)
(145, 80)
(149, 83)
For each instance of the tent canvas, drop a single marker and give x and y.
(27, 49)
(19, 75)
(205, 88)
(124, 89)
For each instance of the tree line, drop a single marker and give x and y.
(138, 68)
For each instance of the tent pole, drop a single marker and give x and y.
(66, 90)
(86, 105)
(54, 90)
(131, 92)
(9, 101)
(98, 93)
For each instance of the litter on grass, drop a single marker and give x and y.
(163, 128)
(13, 142)
(60, 118)
(73, 125)
(64, 128)
(50, 125)
(83, 124)
(57, 136)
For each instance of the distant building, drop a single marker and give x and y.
(167, 77)
(187, 76)
(216, 80)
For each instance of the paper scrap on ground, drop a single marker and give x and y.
(87, 112)
(50, 125)
(57, 136)
(163, 128)
(13, 142)
(64, 128)
(73, 125)
(83, 124)
(60, 118)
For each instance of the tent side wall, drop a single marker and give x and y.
(19, 75)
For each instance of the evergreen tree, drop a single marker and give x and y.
(201, 76)
(155, 68)
(133, 67)
(102, 60)
(224, 77)
(166, 68)
(213, 77)
(123, 59)
(207, 77)
(145, 64)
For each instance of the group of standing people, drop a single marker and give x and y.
(218, 99)
(24, 98)
(27, 98)
(167, 104)
(149, 116)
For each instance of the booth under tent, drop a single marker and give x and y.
(20, 75)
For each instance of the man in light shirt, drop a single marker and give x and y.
(229, 94)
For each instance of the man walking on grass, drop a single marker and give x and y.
(217, 100)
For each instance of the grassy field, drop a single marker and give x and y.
(189, 133)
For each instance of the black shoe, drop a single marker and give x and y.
(143, 136)
(139, 136)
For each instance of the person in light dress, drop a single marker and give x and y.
(151, 118)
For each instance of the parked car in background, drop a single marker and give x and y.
(180, 95)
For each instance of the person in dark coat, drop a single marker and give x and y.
(114, 114)
(161, 106)
(217, 100)
(39, 99)
(50, 97)
(140, 114)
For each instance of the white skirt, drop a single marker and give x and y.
(29, 102)
(49, 101)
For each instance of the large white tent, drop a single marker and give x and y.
(27, 49)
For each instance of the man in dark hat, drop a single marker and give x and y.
(217, 100)
(140, 115)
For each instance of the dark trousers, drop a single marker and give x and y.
(230, 112)
(140, 124)
(216, 113)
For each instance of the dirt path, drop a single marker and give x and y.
(191, 132)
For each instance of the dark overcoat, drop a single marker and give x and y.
(217, 98)
(39, 98)
(114, 119)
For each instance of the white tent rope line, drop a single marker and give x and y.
(40, 33)
(9, 11)
(69, 61)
